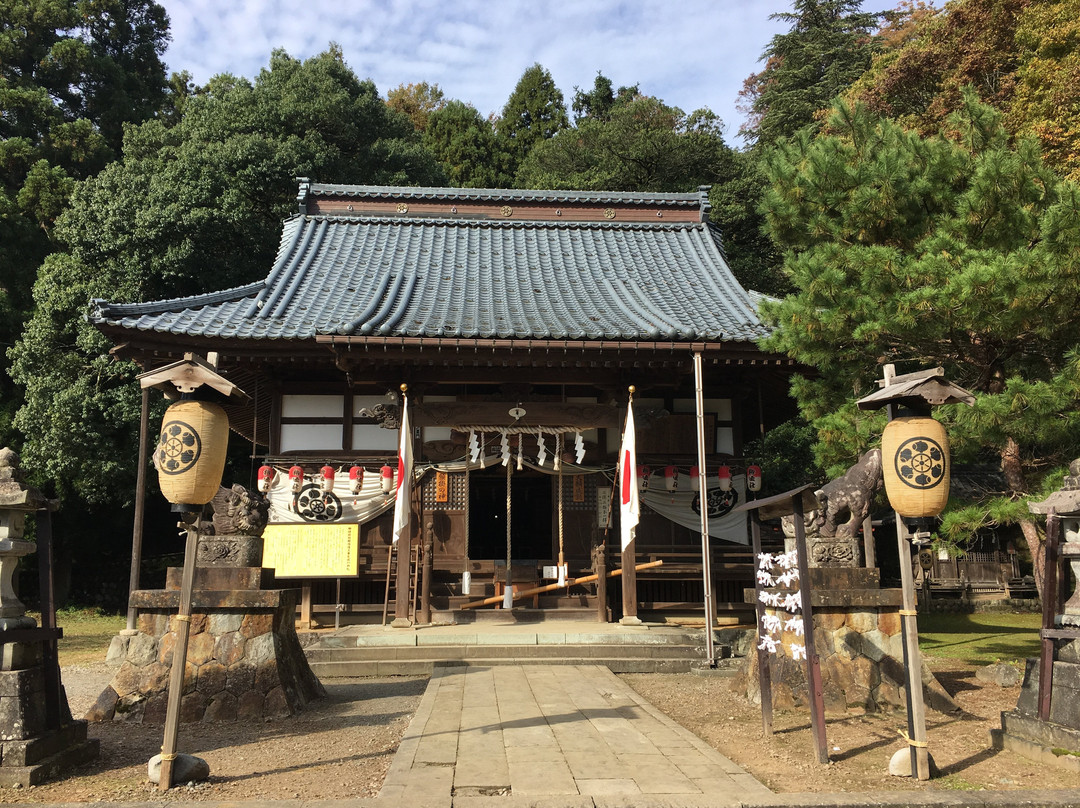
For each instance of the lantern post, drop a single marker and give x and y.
(190, 459)
(915, 464)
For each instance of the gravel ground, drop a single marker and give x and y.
(342, 747)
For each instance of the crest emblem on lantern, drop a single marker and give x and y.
(178, 448)
(920, 462)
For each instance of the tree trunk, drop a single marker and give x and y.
(1014, 478)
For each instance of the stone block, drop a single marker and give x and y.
(862, 620)
(12, 683)
(249, 706)
(222, 707)
(241, 679)
(224, 623)
(152, 623)
(104, 708)
(267, 676)
(259, 649)
(847, 643)
(156, 708)
(129, 708)
(201, 648)
(186, 769)
(154, 677)
(229, 647)
(126, 680)
(829, 619)
(117, 652)
(254, 625)
(1068, 651)
(165, 648)
(212, 678)
(889, 622)
(874, 644)
(22, 715)
(1001, 674)
(191, 676)
(193, 707)
(276, 704)
(142, 649)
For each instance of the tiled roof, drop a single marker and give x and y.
(441, 277)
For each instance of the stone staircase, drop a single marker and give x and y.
(378, 651)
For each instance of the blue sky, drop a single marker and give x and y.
(690, 53)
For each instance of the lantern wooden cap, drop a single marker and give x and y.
(188, 375)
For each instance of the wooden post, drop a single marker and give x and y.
(140, 507)
(179, 660)
(869, 551)
(600, 570)
(305, 605)
(425, 584)
(916, 709)
(703, 484)
(629, 585)
(1051, 572)
(50, 662)
(764, 671)
(386, 598)
(813, 662)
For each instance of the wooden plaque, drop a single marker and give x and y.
(442, 486)
(312, 551)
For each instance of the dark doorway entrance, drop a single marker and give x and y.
(531, 514)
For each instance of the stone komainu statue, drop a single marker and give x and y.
(233, 536)
(845, 502)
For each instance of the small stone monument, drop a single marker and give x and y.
(38, 740)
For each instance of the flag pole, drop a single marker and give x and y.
(703, 494)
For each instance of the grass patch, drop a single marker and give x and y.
(980, 639)
(87, 633)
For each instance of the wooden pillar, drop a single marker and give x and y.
(305, 606)
(916, 710)
(50, 662)
(869, 551)
(764, 671)
(179, 660)
(140, 507)
(600, 570)
(703, 483)
(629, 585)
(425, 582)
(402, 583)
(813, 662)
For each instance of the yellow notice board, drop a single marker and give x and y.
(311, 551)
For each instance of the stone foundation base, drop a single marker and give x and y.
(244, 661)
(30, 753)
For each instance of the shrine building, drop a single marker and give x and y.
(518, 320)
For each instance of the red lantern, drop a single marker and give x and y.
(724, 475)
(266, 478)
(671, 478)
(753, 478)
(643, 478)
(695, 479)
(296, 478)
(386, 478)
(356, 479)
(326, 479)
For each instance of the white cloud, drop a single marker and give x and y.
(692, 53)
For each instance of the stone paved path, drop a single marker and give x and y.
(547, 731)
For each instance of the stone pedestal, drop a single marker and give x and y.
(244, 659)
(1023, 732)
(858, 639)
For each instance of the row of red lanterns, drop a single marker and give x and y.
(723, 474)
(326, 478)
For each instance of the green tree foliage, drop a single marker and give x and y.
(960, 252)
(417, 102)
(601, 99)
(1022, 57)
(190, 208)
(534, 112)
(465, 145)
(828, 46)
(638, 143)
(71, 74)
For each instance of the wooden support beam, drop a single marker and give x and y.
(552, 587)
